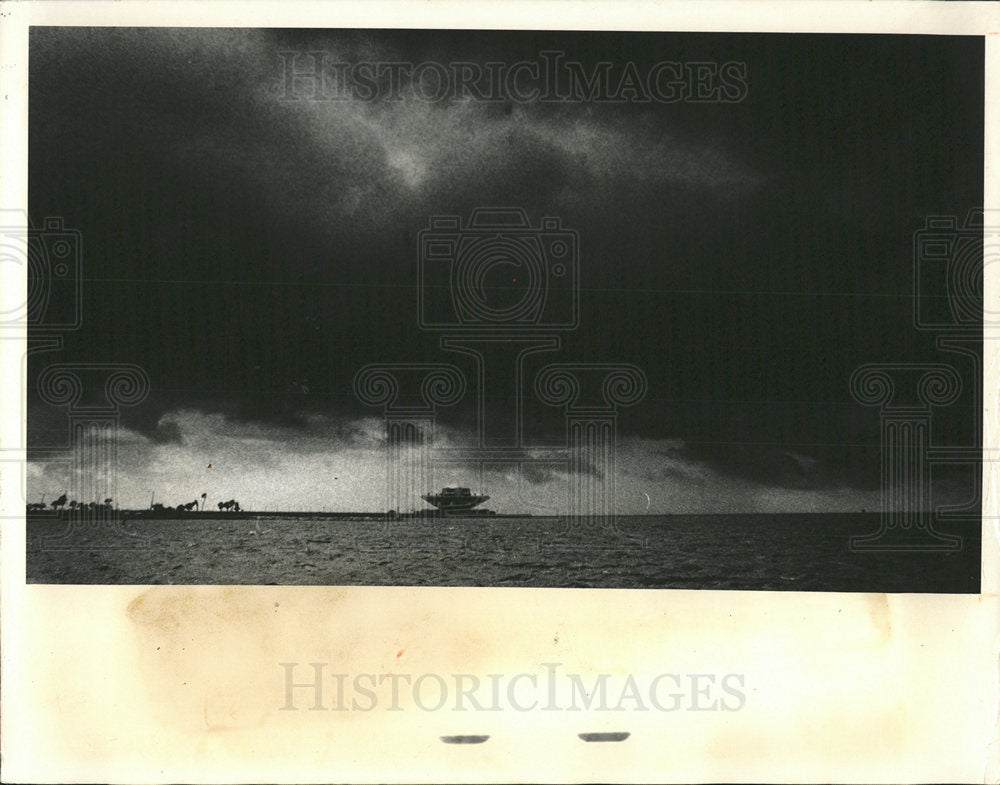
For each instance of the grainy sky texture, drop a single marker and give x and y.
(253, 252)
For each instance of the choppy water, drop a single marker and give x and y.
(775, 552)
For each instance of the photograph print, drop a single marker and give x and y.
(504, 308)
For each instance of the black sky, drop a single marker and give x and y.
(252, 253)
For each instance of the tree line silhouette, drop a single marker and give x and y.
(72, 504)
(232, 505)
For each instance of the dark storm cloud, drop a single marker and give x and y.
(333, 463)
(252, 252)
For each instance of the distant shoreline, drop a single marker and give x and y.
(167, 514)
(124, 515)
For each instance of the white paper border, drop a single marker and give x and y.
(844, 687)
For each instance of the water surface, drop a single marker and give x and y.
(774, 552)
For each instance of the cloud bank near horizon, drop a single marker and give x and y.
(339, 465)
